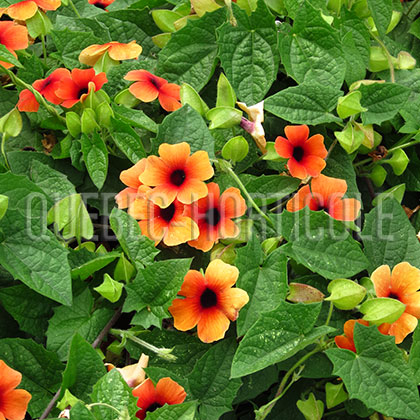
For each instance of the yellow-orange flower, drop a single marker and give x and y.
(176, 174)
(130, 177)
(116, 50)
(26, 9)
(13, 37)
(346, 341)
(402, 284)
(213, 215)
(210, 301)
(326, 194)
(13, 402)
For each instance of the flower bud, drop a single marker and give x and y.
(191, 97)
(380, 310)
(226, 96)
(104, 113)
(202, 6)
(378, 175)
(398, 161)
(88, 121)
(350, 105)
(335, 394)
(4, 204)
(224, 117)
(110, 289)
(236, 149)
(311, 408)
(378, 60)
(335, 5)
(371, 140)
(350, 138)
(405, 61)
(11, 123)
(345, 294)
(299, 292)
(269, 245)
(126, 98)
(165, 19)
(226, 253)
(73, 123)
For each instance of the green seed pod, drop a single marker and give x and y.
(226, 253)
(88, 121)
(73, 123)
(236, 149)
(191, 97)
(11, 123)
(380, 310)
(345, 294)
(378, 175)
(399, 161)
(126, 98)
(350, 105)
(104, 114)
(269, 245)
(224, 117)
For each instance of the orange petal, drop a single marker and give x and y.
(192, 190)
(232, 203)
(186, 313)
(130, 177)
(412, 303)
(169, 97)
(141, 209)
(13, 36)
(221, 276)
(346, 209)
(297, 134)
(181, 230)
(228, 229)
(212, 325)
(23, 10)
(205, 240)
(154, 229)
(90, 55)
(27, 102)
(169, 392)
(146, 394)
(175, 155)
(119, 51)
(283, 147)
(405, 279)
(403, 326)
(232, 301)
(125, 197)
(145, 91)
(301, 199)
(10, 378)
(381, 278)
(313, 165)
(297, 170)
(345, 343)
(155, 173)
(315, 146)
(328, 188)
(163, 195)
(193, 284)
(145, 76)
(49, 4)
(15, 403)
(198, 166)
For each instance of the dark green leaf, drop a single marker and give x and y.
(381, 12)
(95, 156)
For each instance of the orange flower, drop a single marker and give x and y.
(213, 216)
(168, 224)
(130, 177)
(102, 4)
(402, 284)
(13, 37)
(148, 87)
(150, 398)
(176, 174)
(13, 402)
(346, 341)
(210, 301)
(76, 87)
(27, 102)
(116, 50)
(326, 194)
(24, 10)
(306, 155)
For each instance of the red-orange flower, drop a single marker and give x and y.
(27, 102)
(116, 50)
(213, 215)
(76, 87)
(306, 155)
(346, 341)
(402, 284)
(326, 194)
(26, 9)
(176, 174)
(210, 301)
(130, 177)
(148, 87)
(168, 224)
(13, 37)
(102, 4)
(13, 402)
(150, 398)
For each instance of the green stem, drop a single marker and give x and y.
(74, 9)
(412, 7)
(3, 151)
(231, 172)
(44, 49)
(104, 405)
(330, 311)
(362, 162)
(161, 352)
(403, 146)
(388, 56)
(332, 413)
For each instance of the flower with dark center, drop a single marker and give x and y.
(150, 398)
(26, 9)
(213, 215)
(101, 4)
(210, 301)
(306, 155)
(177, 174)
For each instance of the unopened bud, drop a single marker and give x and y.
(304, 293)
(236, 149)
(73, 123)
(345, 294)
(380, 310)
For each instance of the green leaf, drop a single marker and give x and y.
(29, 309)
(28, 250)
(265, 281)
(84, 368)
(8, 57)
(156, 286)
(127, 140)
(79, 318)
(113, 390)
(414, 360)
(110, 289)
(95, 156)
(134, 117)
(40, 369)
(381, 12)
(323, 245)
(187, 125)
(308, 103)
(81, 412)
(383, 101)
(249, 52)
(276, 336)
(140, 249)
(190, 54)
(185, 411)
(71, 216)
(377, 375)
(388, 236)
(312, 51)
(209, 382)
